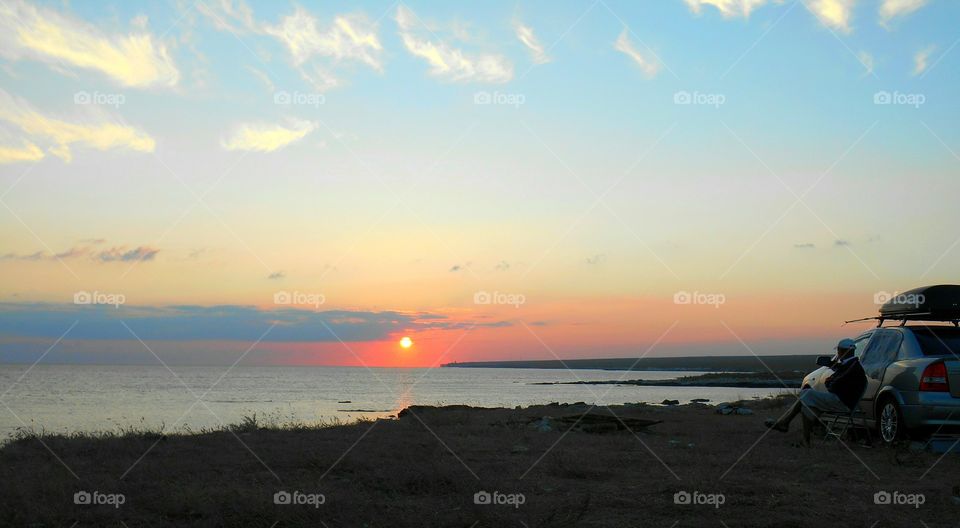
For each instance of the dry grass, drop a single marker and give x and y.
(422, 470)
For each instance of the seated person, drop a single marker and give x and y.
(845, 386)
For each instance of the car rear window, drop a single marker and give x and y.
(943, 341)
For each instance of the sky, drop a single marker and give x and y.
(280, 183)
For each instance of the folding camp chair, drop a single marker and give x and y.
(837, 424)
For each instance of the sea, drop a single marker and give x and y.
(95, 398)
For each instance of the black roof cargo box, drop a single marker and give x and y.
(930, 303)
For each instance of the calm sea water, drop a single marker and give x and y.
(68, 398)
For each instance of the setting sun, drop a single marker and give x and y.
(406, 342)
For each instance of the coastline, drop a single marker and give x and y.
(746, 380)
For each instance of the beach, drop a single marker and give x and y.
(470, 467)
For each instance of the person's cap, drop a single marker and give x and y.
(846, 344)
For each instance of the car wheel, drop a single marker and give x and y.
(891, 422)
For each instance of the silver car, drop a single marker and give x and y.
(913, 379)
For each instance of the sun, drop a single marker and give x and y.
(406, 342)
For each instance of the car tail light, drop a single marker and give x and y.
(934, 378)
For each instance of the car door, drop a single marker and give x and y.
(879, 353)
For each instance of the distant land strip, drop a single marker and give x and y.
(797, 363)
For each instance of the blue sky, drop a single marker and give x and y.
(211, 154)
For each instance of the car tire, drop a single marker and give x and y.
(890, 422)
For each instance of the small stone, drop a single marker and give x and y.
(670, 402)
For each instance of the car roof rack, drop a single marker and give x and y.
(903, 319)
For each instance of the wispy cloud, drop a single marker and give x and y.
(646, 61)
(136, 59)
(727, 8)
(597, 259)
(103, 135)
(228, 15)
(264, 78)
(447, 62)
(223, 322)
(921, 60)
(113, 254)
(835, 14)
(866, 59)
(266, 137)
(529, 39)
(891, 9)
(350, 37)
(140, 254)
(27, 152)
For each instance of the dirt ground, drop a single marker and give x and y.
(462, 467)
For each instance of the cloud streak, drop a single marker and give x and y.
(224, 322)
(891, 9)
(529, 39)
(27, 152)
(727, 8)
(113, 254)
(921, 60)
(266, 137)
(136, 59)
(647, 63)
(447, 62)
(835, 14)
(102, 135)
(350, 37)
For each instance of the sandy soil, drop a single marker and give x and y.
(426, 468)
